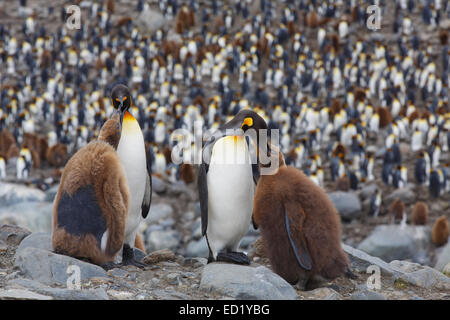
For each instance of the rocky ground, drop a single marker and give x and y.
(177, 261)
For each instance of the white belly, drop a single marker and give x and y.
(230, 195)
(131, 151)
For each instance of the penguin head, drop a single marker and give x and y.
(245, 120)
(121, 97)
(111, 130)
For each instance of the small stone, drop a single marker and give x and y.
(13, 235)
(195, 262)
(120, 295)
(173, 279)
(160, 255)
(324, 294)
(347, 204)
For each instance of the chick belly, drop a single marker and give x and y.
(230, 205)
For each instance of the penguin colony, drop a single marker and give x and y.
(351, 108)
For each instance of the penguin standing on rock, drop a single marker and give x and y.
(91, 205)
(131, 152)
(299, 224)
(226, 188)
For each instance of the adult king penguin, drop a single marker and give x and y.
(131, 151)
(226, 185)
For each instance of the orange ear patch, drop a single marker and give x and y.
(247, 121)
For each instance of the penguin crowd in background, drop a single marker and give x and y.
(351, 106)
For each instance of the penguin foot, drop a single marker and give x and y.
(128, 258)
(109, 265)
(233, 257)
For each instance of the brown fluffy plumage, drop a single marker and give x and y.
(312, 19)
(314, 222)
(440, 232)
(397, 209)
(187, 173)
(420, 213)
(343, 184)
(385, 116)
(57, 155)
(98, 166)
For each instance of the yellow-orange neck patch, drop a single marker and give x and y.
(128, 117)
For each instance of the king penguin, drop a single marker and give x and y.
(226, 185)
(131, 151)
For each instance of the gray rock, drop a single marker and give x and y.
(405, 194)
(21, 294)
(13, 235)
(367, 295)
(347, 204)
(50, 194)
(35, 216)
(422, 276)
(324, 294)
(40, 240)
(392, 242)
(367, 191)
(159, 239)
(409, 272)
(443, 257)
(245, 282)
(158, 185)
(173, 278)
(11, 193)
(158, 212)
(197, 248)
(60, 293)
(195, 262)
(149, 21)
(361, 260)
(50, 268)
(363, 293)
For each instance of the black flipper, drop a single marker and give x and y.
(146, 202)
(203, 196)
(302, 255)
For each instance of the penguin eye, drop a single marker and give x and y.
(124, 98)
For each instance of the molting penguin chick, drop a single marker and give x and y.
(440, 232)
(300, 227)
(420, 213)
(91, 204)
(131, 152)
(397, 211)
